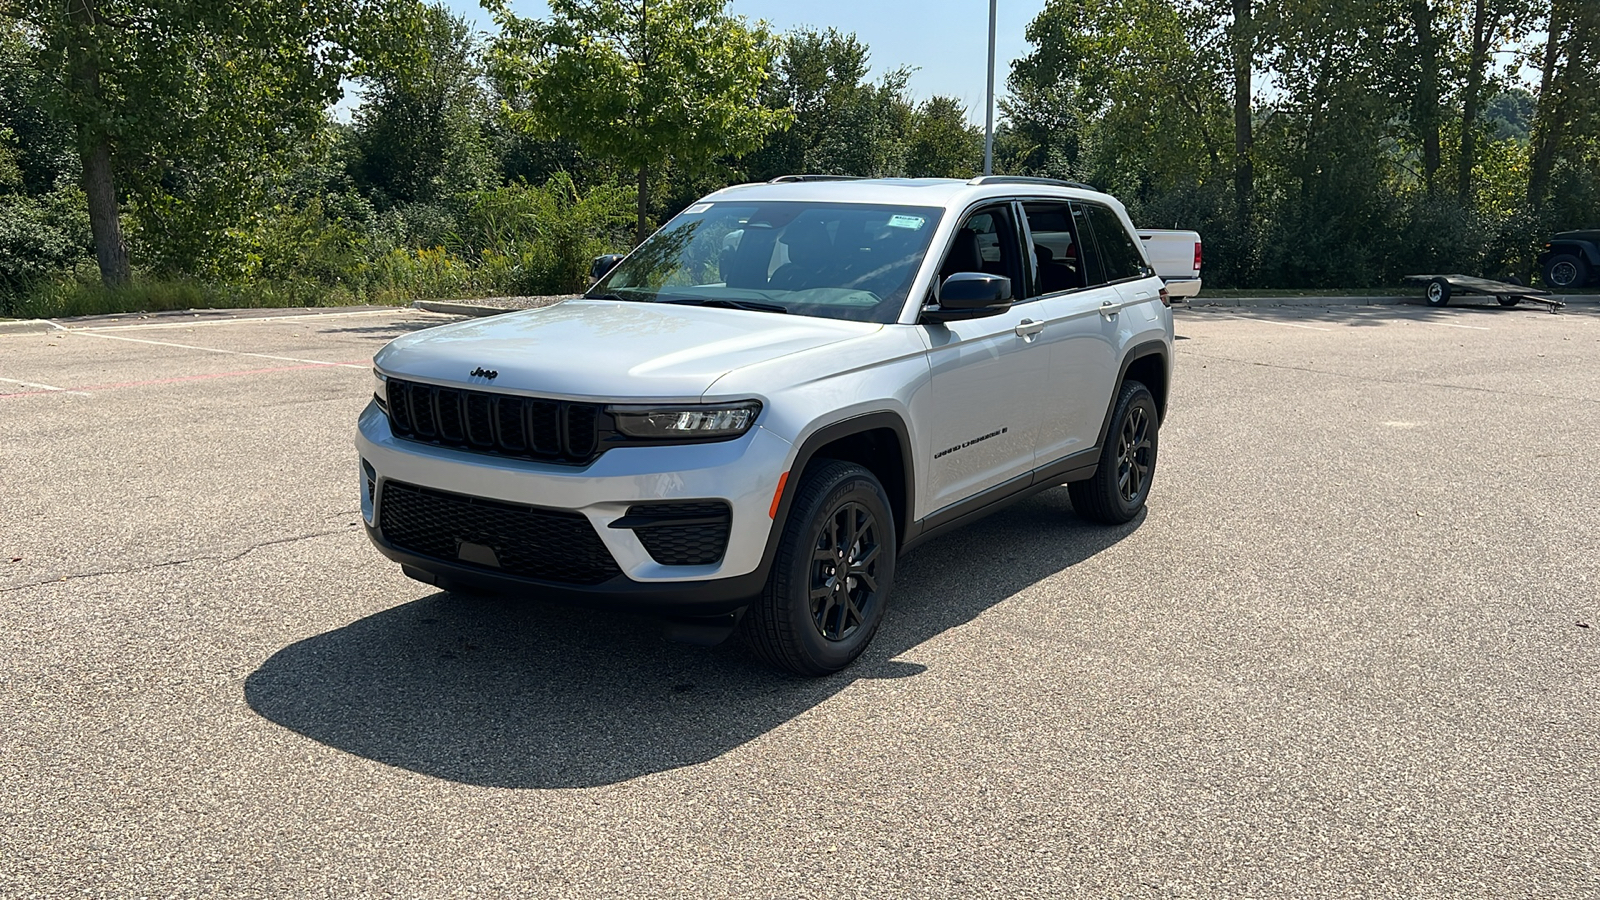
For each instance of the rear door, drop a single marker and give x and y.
(1070, 284)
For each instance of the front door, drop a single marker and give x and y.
(986, 373)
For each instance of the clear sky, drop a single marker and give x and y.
(945, 40)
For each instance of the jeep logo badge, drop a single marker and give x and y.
(481, 372)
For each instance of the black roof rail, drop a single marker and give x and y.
(1027, 179)
(791, 179)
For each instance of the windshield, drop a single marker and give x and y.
(834, 260)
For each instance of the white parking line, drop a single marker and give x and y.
(1271, 322)
(295, 359)
(43, 387)
(1447, 324)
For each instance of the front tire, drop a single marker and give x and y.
(1121, 482)
(825, 596)
(1565, 271)
(1438, 292)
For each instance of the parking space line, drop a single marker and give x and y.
(39, 388)
(1448, 324)
(176, 379)
(294, 359)
(1271, 322)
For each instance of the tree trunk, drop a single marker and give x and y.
(1547, 124)
(642, 226)
(94, 146)
(1425, 105)
(1477, 61)
(1243, 136)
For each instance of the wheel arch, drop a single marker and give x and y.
(880, 442)
(1149, 363)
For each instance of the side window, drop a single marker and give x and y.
(1118, 250)
(986, 242)
(1055, 248)
(1094, 271)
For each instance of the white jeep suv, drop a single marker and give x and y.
(749, 417)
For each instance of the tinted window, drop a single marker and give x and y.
(985, 242)
(834, 260)
(1093, 271)
(1055, 248)
(1118, 250)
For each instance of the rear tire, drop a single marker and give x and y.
(1565, 271)
(1438, 292)
(1121, 482)
(825, 596)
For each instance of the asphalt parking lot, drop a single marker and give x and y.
(1352, 649)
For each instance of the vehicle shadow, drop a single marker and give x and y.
(526, 694)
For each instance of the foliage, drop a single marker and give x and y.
(636, 83)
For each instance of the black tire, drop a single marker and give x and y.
(1438, 292)
(1121, 482)
(806, 620)
(1509, 301)
(1565, 271)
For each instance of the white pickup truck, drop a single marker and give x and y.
(1176, 257)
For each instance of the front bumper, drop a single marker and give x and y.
(743, 472)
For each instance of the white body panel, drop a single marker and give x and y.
(1172, 252)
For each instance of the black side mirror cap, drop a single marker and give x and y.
(971, 295)
(603, 264)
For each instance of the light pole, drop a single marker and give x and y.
(988, 110)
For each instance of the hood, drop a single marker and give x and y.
(608, 350)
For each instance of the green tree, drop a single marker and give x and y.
(638, 83)
(943, 144)
(844, 123)
(163, 95)
(1567, 123)
(418, 132)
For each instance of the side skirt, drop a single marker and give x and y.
(1077, 467)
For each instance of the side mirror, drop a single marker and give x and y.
(603, 264)
(971, 295)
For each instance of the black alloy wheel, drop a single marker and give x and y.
(1136, 455)
(844, 572)
(830, 581)
(1121, 482)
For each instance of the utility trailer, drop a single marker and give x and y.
(1509, 293)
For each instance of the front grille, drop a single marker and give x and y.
(547, 544)
(683, 534)
(529, 427)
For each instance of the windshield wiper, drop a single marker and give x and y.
(606, 297)
(724, 303)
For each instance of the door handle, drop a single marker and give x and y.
(1110, 308)
(1027, 328)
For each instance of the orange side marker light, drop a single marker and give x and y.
(777, 496)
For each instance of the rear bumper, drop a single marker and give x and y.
(1182, 288)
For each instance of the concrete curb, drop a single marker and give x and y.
(28, 326)
(459, 309)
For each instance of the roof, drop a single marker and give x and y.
(940, 192)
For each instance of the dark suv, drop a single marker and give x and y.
(1571, 259)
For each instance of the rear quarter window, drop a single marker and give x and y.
(1119, 252)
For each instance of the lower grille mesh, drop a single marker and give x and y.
(691, 543)
(549, 545)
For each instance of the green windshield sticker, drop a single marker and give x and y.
(912, 222)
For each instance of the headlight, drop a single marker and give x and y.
(685, 422)
(380, 390)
